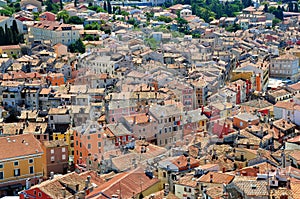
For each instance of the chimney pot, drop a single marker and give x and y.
(211, 178)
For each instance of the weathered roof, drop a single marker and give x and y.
(19, 145)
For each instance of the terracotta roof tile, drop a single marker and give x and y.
(19, 145)
(219, 178)
(126, 184)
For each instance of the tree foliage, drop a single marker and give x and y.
(97, 9)
(10, 36)
(93, 26)
(211, 9)
(233, 28)
(109, 9)
(51, 7)
(77, 47)
(75, 20)
(164, 19)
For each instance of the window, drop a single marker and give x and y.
(76, 143)
(17, 172)
(63, 157)
(31, 169)
(51, 117)
(52, 159)
(16, 163)
(89, 146)
(99, 144)
(52, 151)
(99, 135)
(1, 175)
(88, 137)
(40, 194)
(241, 124)
(63, 149)
(1, 166)
(30, 161)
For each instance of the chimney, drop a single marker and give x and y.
(63, 192)
(89, 179)
(51, 175)
(87, 183)
(134, 119)
(288, 183)
(28, 183)
(223, 169)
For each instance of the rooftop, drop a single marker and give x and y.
(19, 145)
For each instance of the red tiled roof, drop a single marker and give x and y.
(219, 178)
(51, 25)
(295, 86)
(19, 145)
(126, 184)
(10, 47)
(182, 161)
(282, 104)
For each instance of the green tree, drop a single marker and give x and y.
(93, 26)
(247, 3)
(17, 7)
(64, 15)
(149, 15)
(2, 36)
(109, 10)
(105, 6)
(151, 42)
(164, 19)
(15, 32)
(132, 21)
(51, 7)
(77, 47)
(275, 21)
(233, 28)
(96, 9)
(61, 5)
(75, 20)
(6, 12)
(266, 9)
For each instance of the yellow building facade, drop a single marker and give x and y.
(29, 167)
(20, 160)
(69, 139)
(10, 50)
